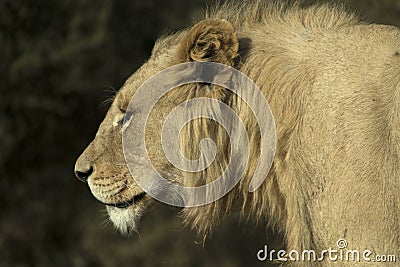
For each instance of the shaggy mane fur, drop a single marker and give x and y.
(244, 15)
(282, 67)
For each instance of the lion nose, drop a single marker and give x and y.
(83, 175)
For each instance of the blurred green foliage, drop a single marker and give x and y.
(59, 61)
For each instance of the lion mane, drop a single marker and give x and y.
(333, 85)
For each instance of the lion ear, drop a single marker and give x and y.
(210, 40)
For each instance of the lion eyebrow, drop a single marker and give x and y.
(122, 101)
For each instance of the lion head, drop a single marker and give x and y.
(102, 164)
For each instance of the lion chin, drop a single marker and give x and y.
(125, 220)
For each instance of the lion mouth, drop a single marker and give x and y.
(125, 204)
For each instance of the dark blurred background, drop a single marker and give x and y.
(59, 62)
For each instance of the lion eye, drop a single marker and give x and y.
(120, 118)
(121, 121)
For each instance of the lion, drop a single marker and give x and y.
(333, 84)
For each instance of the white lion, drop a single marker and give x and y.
(333, 85)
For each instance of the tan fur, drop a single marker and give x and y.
(333, 85)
